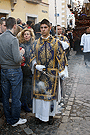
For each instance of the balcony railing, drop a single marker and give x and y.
(34, 1)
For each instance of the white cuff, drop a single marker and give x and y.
(64, 73)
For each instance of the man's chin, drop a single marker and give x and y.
(43, 34)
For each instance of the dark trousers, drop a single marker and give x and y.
(62, 88)
(26, 96)
(87, 56)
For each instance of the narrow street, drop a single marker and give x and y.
(73, 118)
(77, 118)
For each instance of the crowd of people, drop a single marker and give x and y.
(34, 65)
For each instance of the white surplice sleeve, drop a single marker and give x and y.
(33, 63)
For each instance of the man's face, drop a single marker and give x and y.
(45, 30)
(3, 27)
(59, 30)
(88, 30)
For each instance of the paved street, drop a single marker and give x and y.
(77, 122)
(73, 118)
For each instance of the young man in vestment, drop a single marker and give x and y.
(66, 45)
(64, 40)
(48, 61)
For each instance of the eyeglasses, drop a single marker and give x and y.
(45, 27)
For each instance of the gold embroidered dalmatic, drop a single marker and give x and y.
(48, 52)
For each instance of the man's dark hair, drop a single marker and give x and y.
(10, 22)
(23, 24)
(29, 23)
(1, 21)
(51, 24)
(86, 27)
(55, 26)
(37, 28)
(18, 21)
(45, 21)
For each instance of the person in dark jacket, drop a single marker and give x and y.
(26, 40)
(37, 30)
(28, 24)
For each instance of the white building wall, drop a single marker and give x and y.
(62, 12)
(52, 11)
(59, 11)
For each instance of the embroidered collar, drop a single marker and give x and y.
(45, 38)
(49, 39)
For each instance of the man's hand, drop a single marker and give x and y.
(81, 49)
(23, 60)
(22, 50)
(40, 67)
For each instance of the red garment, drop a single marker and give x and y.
(29, 27)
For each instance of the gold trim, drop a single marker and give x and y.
(61, 58)
(38, 42)
(45, 99)
(55, 53)
(32, 59)
(34, 81)
(55, 80)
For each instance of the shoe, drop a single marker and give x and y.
(50, 122)
(26, 108)
(21, 121)
(37, 121)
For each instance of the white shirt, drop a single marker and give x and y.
(82, 39)
(86, 43)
